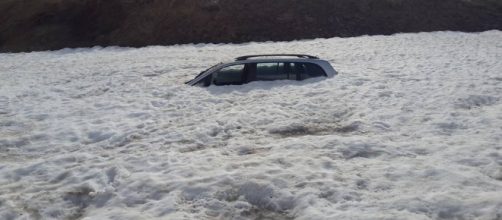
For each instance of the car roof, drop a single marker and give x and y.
(268, 60)
(277, 55)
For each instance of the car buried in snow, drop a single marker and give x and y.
(266, 67)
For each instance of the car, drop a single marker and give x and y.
(265, 67)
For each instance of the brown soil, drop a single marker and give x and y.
(27, 25)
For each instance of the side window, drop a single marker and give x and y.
(271, 71)
(230, 75)
(300, 69)
(289, 70)
(309, 70)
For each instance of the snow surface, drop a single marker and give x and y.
(411, 128)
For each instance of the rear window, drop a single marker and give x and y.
(231, 75)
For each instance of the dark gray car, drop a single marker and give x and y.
(264, 68)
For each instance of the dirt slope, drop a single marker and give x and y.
(27, 25)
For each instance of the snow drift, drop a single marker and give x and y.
(411, 128)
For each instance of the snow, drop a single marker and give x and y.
(411, 128)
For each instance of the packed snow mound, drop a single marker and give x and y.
(411, 128)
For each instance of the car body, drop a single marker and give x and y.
(266, 67)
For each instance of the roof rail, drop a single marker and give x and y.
(278, 55)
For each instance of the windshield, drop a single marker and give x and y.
(208, 69)
(200, 74)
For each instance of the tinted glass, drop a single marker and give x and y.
(205, 82)
(289, 70)
(231, 75)
(270, 71)
(298, 69)
(309, 70)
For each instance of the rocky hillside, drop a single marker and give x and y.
(27, 25)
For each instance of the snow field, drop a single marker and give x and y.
(411, 128)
